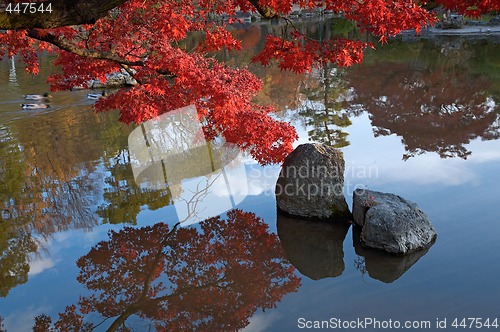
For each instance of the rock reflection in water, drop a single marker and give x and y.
(380, 265)
(315, 248)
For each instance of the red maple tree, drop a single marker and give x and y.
(144, 38)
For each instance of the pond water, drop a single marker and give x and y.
(420, 118)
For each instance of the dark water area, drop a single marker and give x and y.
(81, 236)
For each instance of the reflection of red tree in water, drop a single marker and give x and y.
(184, 279)
(436, 110)
(249, 37)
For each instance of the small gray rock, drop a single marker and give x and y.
(311, 183)
(390, 222)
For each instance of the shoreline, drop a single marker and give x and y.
(465, 31)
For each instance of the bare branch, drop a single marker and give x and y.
(266, 12)
(65, 45)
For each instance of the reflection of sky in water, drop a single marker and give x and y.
(168, 150)
(208, 196)
(456, 278)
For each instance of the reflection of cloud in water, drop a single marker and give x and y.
(22, 321)
(260, 322)
(385, 152)
(484, 151)
(39, 265)
(207, 196)
(429, 169)
(262, 179)
(233, 182)
(257, 180)
(42, 260)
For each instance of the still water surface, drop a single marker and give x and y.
(419, 118)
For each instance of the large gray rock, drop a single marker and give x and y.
(311, 183)
(315, 248)
(390, 222)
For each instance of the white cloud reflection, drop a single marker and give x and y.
(261, 322)
(40, 264)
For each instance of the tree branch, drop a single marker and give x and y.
(65, 45)
(64, 13)
(266, 12)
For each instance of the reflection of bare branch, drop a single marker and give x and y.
(198, 196)
(360, 265)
